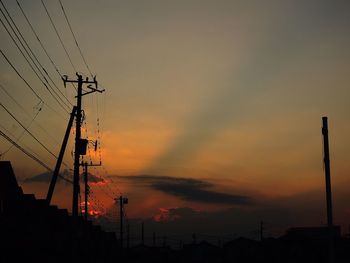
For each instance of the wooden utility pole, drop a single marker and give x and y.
(327, 171)
(80, 144)
(122, 201)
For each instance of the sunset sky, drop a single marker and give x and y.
(212, 109)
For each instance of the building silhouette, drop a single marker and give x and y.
(33, 231)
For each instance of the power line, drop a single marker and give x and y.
(75, 39)
(13, 67)
(58, 35)
(38, 39)
(28, 85)
(40, 42)
(31, 66)
(35, 57)
(24, 146)
(31, 155)
(20, 106)
(21, 135)
(13, 99)
(25, 151)
(36, 139)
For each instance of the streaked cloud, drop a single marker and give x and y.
(189, 189)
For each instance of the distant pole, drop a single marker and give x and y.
(164, 241)
(154, 239)
(328, 188)
(121, 220)
(122, 201)
(261, 231)
(143, 233)
(128, 236)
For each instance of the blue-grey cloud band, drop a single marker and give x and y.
(189, 189)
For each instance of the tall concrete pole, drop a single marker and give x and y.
(128, 236)
(76, 151)
(261, 231)
(143, 233)
(78, 141)
(121, 220)
(328, 188)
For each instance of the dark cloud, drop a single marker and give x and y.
(189, 189)
(46, 177)
(95, 179)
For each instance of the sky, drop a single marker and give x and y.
(212, 109)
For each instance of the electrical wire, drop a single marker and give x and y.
(26, 112)
(30, 57)
(36, 59)
(25, 151)
(58, 35)
(29, 86)
(38, 39)
(75, 39)
(23, 132)
(22, 143)
(40, 42)
(36, 139)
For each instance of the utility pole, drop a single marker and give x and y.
(80, 144)
(194, 237)
(261, 231)
(86, 191)
(128, 236)
(154, 239)
(122, 201)
(328, 189)
(143, 233)
(121, 212)
(86, 186)
(164, 241)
